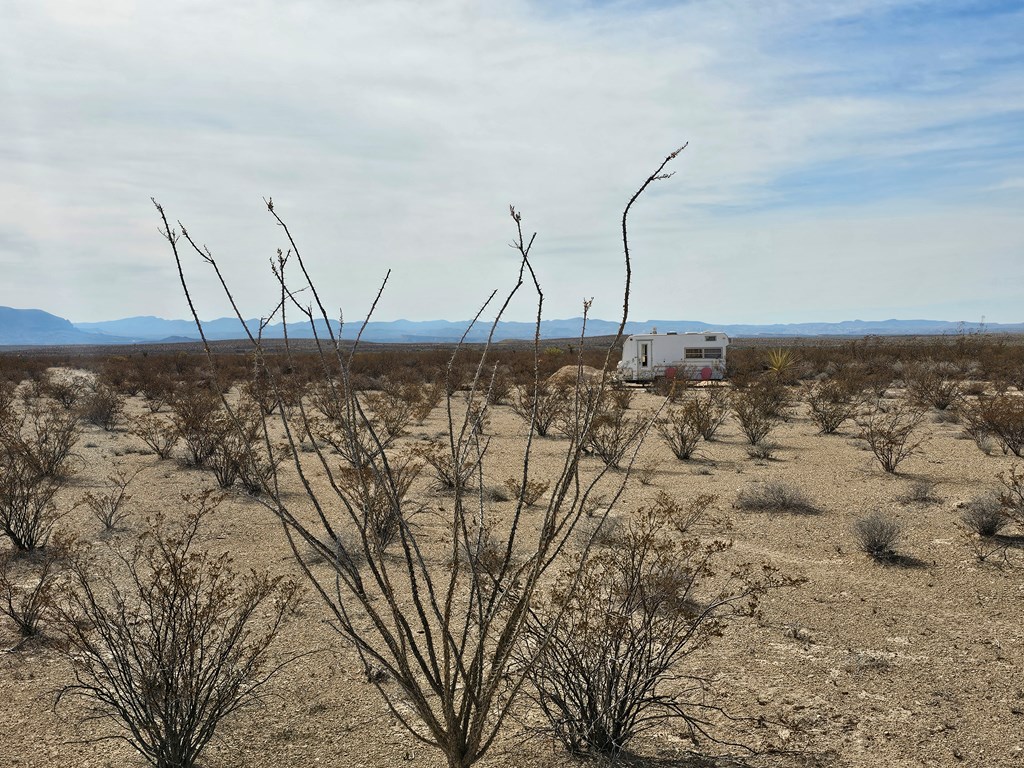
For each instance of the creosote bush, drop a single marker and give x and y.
(681, 428)
(889, 432)
(30, 602)
(618, 624)
(172, 643)
(1001, 416)
(832, 402)
(110, 505)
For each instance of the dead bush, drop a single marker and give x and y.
(930, 385)
(28, 587)
(381, 500)
(197, 415)
(921, 492)
(889, 432)
(755, 410)
(541, 406)
(878, 535)
(613, 433)
(67, 389)
(44, 439)
(1012, 496)
(454, 470)
(172, 643)
(709, 410)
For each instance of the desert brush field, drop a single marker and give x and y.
(817, 563)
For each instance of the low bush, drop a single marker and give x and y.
(877, 535)
(172, 644)
(985, 516)
(890, 433)
(776, 496)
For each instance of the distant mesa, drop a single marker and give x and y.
(34, 327)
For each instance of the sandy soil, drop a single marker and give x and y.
(913, 665)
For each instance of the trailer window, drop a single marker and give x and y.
(694, 353)
(713, 353)
(710, 338)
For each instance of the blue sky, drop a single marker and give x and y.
(846, 159)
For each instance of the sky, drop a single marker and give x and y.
(845, 160)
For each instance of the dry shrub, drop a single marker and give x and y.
(776, 496)
(930, 385)
(66, 389)
(380, 498)
(1001, 416)
(921, 492)
(197, 415)
(756, 410)
(157, 433)
(110, 506)
(1012, 496)
(103, 407)
(877, 535)
(173, 642)
(832, 402)
(454, 468)
(681, 429)
(889, 432)
(44, 439)
(985, 516)
(27, 511)
(613, 631)
(530, 493)
(542, 406)
(613, 433)
(709, 410)
(29, 586)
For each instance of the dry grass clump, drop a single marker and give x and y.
(985, 516)
(877, 535)
(776, 496)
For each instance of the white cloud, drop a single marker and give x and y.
(396, 133)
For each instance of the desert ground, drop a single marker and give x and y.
(914, 660)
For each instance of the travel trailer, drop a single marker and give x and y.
(695, 356)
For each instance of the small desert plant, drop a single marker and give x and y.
(681, 428)
(157, 433)
(878, 534)
(165, 651)
(452, 472)
(985, 516)
(776, 496)
(380, 499)
(889, 433)
(542, 407)
(44, 438)
(110, 506)
(1001, 416)
(27, 511)
(529, 493)
(755, 410)
(763, 450)
(832, 402)
(931, 386)
(921, 492)
(29, 603)
(66, 390)
(200, 422)
(1012, 497)
(614, 628)
(709, 411)
(103, 407)
(613, 433)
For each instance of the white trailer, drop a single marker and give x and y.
(695, 356)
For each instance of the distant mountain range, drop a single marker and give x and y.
(33, 327)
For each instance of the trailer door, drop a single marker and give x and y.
(644, 354)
